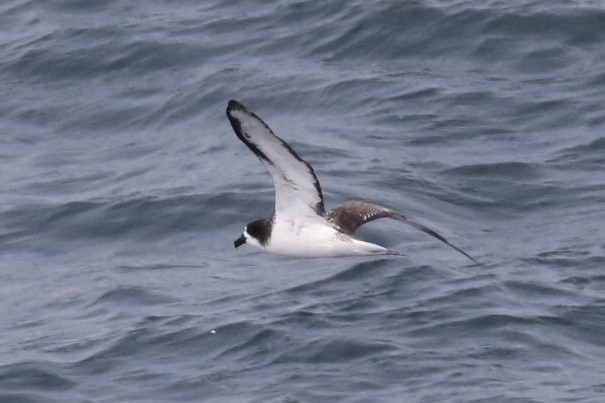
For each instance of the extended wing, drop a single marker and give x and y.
(352, 215)
(296, 186)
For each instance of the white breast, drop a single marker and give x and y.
(315, 238)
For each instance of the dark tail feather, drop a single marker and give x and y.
(433, 234)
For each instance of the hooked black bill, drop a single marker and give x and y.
(239, 241)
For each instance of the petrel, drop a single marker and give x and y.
(300, 225)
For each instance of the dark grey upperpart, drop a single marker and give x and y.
(261, 230)
(352, 215)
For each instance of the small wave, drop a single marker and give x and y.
(587, 156)
(33, 375)
(132, 296)
(144, 217)
(35, 382)
(513, 170)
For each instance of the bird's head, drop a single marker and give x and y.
(242, 239)
(256, 233)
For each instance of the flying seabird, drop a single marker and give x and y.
(300, 225)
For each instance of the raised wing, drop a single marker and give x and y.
(296, 186)
(352, 215)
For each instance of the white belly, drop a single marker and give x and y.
(316, 239)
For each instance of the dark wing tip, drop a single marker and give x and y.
(233, 104)
(236, 124)
(435, 235)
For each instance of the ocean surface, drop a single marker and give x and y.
(123, 186)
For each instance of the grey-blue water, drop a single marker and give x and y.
(123, 187)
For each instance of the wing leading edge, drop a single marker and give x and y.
(296, 185)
